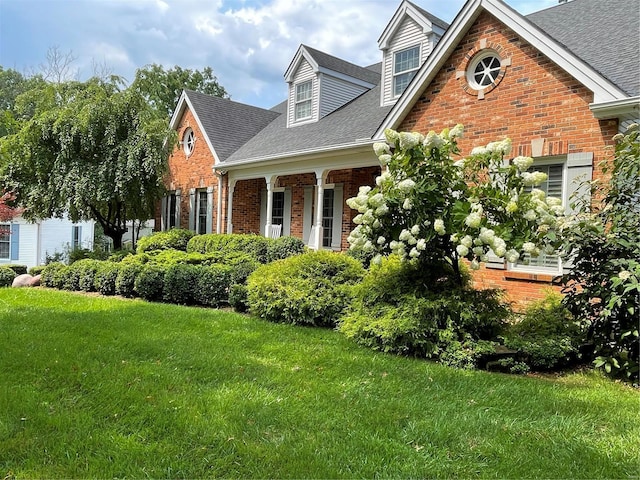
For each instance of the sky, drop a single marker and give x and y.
(248, 43)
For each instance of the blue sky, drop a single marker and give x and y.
(247, 43)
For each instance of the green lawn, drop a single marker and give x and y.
(104, 387)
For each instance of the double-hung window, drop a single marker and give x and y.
(304, 93)
(201, 219)
(405, 65)
(277, 210)
(554, 186)
(171, 211)
(327, 217)
(5, 241)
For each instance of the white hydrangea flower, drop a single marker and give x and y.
(473, 220)
(528, 247)
(391, 135)
(415, 230)
(382, 210)
(479, 151)
(624, 275)
(462, 250)
(460, 163)
(406, 185)
(384, 159)
(438, 226)
(478, 251)
(512, 207)
(410, 139)
(531, 179)
(433, 140)
(376, 200)
(457, 131)
(358, 219)
(475, 265)
(377, 260)
(523, 163)
(364, 189)
(487, 235)
(512, 256)
(376, 224)
(421, 244)
(467, 241)
(407, 205)
(530, 215)
(414, 253)
(381, 148)
(502, 146)
(405, 235)
(553, 201)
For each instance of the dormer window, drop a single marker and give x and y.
(304, 93)
(405, 65)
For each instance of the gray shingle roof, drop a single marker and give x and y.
(603, 33)
(432, 18)
(356, 120)
(342, 66)
(228, 124)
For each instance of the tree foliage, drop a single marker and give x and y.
(603, 240)
(162, 88)
(89, 150)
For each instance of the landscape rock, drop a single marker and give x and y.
(23, 280)
(35, 281)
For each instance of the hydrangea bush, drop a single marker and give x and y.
(432, 205)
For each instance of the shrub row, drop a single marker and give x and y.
(6, 276)
(183, 284)
(262, 249)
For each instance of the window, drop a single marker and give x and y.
(483, 70)
(5, 241)
(171, 210)
(277, 211)
(405, 66)
(188, 141)
(553, 187)
(304, 93)
(76, 237)
(327, 218)
(201, 219)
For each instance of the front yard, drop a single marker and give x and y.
(105, 387)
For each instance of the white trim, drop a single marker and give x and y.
(405, 9)
(617, 108)
(603, 89)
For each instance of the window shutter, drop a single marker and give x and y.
(164, 215)
(15, 241)
(209, 227)
(286, 227)
(336, 235)
(192, 209)
(579, 170)
(307, 217)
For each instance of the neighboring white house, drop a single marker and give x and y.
(26, 243)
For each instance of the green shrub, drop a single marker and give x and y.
(149, 282)
(401, 309)
(18, 269)
(313, 288)
(52, 275)
(105, 278)
(175, 238)
(238, 298)
(125, 280)
(213, 285)
(284, 247)
(547, 337)
(254, 245)
(86, 269)
(71, 277)
(180, 283)
(78, 254)
(6, 276)
(37, 270)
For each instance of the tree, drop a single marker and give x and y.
(90, 151)
(602, 289)
(162, 88)
(12, 85)
(430, 209)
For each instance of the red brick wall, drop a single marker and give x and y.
(534, 100)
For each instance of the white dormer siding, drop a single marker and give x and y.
(408, 35)
(335, 92)
(303, 74)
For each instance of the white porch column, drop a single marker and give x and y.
(316, 232)
(271, 181)
(232, 187)
(220, 175)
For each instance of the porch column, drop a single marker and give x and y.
(316, 232)
(271, 181)
(232, 186)
(220, 175)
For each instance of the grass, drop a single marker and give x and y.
(105, 387)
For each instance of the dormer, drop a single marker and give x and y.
(406, 43)
(320, 84)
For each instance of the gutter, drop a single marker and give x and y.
(629, 106)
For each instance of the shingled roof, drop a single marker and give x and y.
(342, 66)
(605, 34)
(228, 124)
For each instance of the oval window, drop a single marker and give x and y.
(188, 141)
(484, 70)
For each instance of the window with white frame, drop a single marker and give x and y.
(188, 141)
(554, 186)
(405, 65)
(5, 241)
(277, 210)
(484, 69)
(304, 93)
(76, 236)
(327, 218)
(202, 212)
(171, 210)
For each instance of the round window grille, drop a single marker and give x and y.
(188, 141)
(484, 70)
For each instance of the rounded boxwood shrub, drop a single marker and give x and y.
(126, 277)
(52, 275)
(254, 245)
(284, 247)
(37, 270)
(86, 269)
(180, 283)
(105, 278)
(238, 298)
(149, 282)
(311, 289)
(18, 269)
(6, 276)
(176, 238)
(213, 285)
(71, 277)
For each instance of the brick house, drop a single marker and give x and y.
(560, 83)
